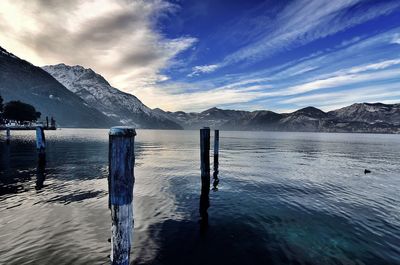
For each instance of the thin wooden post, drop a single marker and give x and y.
(8, 135)
(40, 139)
(216, 159)
(41, 145)
(121, 180)
(205, 152)
(205, 174)
(216, 149)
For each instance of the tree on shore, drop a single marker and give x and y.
(19, 111)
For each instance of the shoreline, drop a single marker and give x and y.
(26, 128)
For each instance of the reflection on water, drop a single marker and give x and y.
(204, 204)
(215, 176)
(285, 198)
(41, 171)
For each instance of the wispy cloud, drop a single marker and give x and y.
(396, 39)
(302, 22)
(365, 93)
(337, 81)
(374, 66)
(197, 70)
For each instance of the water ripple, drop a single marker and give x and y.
(283, 198)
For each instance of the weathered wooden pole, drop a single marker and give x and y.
(8, 135)
(216, 159)
(205, 155)
(40, 139)
(41, 144)
(205, 174)
(120, 185)
(216, 149)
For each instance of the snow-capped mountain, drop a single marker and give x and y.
(21, 80)
(98, 93)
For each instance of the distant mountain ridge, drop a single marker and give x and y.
(96, 91)
(359, 117)
(369, 112)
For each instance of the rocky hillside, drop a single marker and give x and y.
(20, 80)
(99, 94)
(369, 112)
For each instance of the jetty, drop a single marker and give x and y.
(13, 125)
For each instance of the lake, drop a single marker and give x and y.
(283, 198)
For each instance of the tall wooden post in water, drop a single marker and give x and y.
(40, 140)
(216, 159)
(41, 145)
(120, 185)
(205, 174)
(205, 155)
(216, 150)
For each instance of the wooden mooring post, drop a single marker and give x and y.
(216, 149)
(216, 159)
(205, 174)
(205, 156)
(8, 135)
(40, 141)
(121, 180)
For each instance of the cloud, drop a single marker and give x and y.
(374, 66)
(197, 70)
(364, 93)
(337, 81)
(201, 100)
(396, 39)
(302, 22)
(118, 39)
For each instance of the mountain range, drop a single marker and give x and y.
(359, 117)
(79, 97)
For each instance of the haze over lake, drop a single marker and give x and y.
(283, 198)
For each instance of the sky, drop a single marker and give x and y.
(191, 55)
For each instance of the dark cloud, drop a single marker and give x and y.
(141, 57)
(108, 29)
(54, 5)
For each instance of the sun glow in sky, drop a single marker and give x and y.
(191, 55)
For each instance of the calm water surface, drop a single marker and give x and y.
(283, 198)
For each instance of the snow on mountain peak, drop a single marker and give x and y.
(95, 90)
